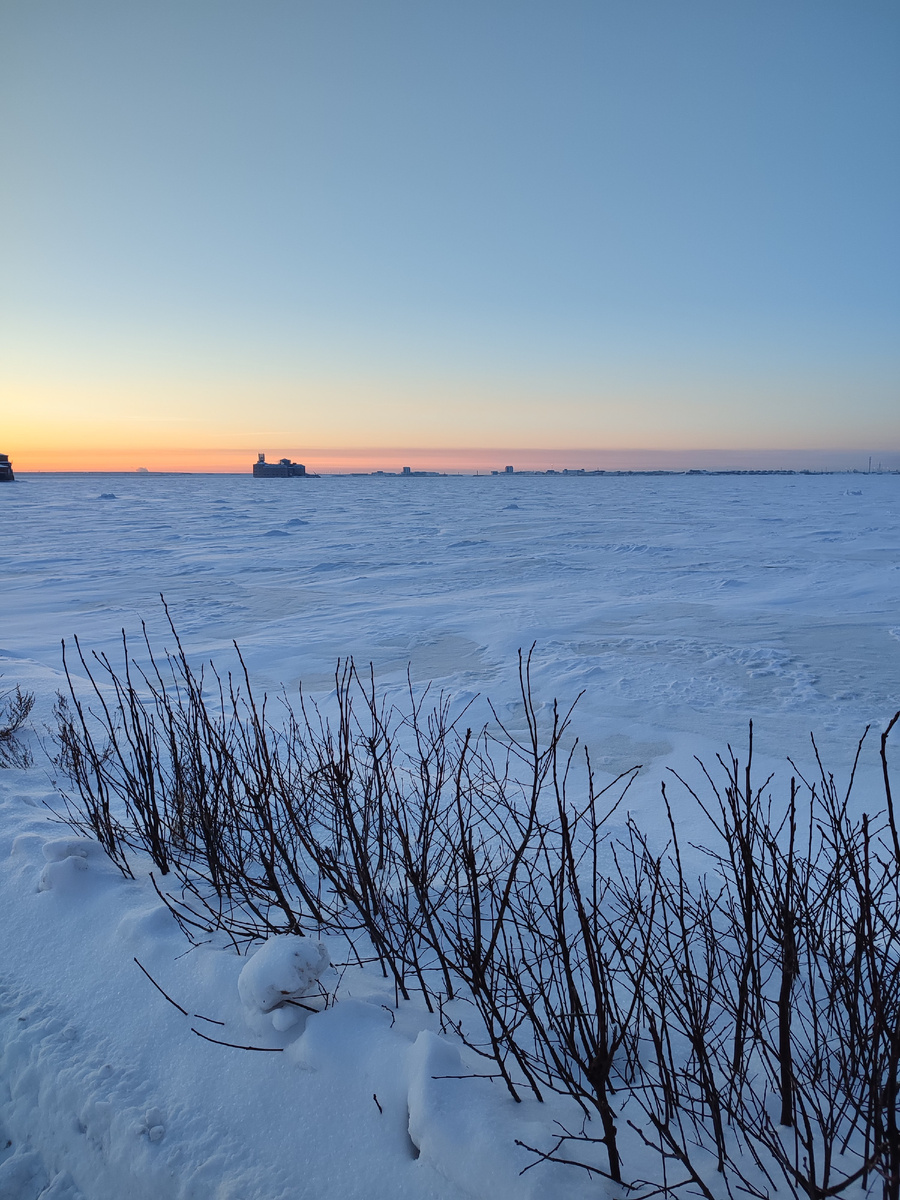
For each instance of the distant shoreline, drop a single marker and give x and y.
(569, 472)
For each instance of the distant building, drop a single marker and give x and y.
(283, 469)
(404, 473)
(6, 471)
(507, 471)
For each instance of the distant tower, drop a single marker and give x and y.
(407, 470)
(260, 458)
(507, 471)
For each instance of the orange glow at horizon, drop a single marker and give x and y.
(463, 460)
(107, 427)
(326, 460)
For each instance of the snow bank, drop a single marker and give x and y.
(108, 1092)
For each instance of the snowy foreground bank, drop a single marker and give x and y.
(683, 615)
(660, 1026)
(107, 1092)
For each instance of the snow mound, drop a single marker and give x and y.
(466, 1128)
(284, 968)
(62, 875)
(59, 849)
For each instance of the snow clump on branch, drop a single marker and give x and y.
(282, 970)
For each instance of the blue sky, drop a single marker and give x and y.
(642, 224)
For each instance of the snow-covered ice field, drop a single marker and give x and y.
(682, 606)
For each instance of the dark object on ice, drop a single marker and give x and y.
(6, 471)
(283, 469)
(107, 496)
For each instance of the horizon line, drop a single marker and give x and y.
(448, 460)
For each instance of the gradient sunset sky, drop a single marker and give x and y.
(366, 232)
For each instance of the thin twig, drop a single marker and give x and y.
(174, 1003)
(235, 1046)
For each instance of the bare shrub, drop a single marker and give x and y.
(15, 707)
(742, 1022)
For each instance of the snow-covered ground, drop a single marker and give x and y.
(682, 606)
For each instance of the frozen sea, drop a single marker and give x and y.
(681, 606)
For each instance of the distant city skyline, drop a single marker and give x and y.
(343, 460)
(361, 232)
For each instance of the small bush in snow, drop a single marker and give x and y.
(15, 707)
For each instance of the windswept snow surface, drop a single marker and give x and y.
(682, 606)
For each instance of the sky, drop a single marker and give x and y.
(373, 232)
